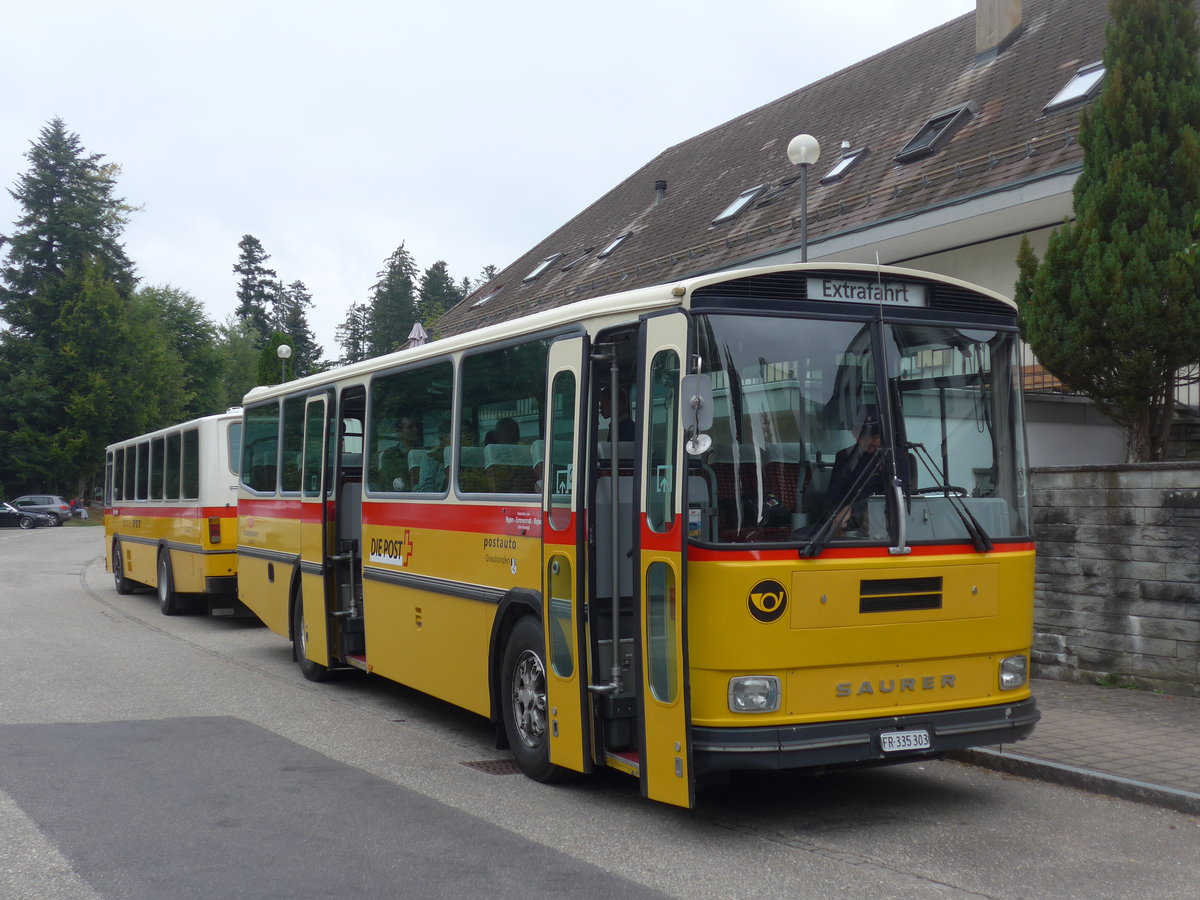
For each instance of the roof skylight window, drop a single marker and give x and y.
(541, 267)
(578, 258)
(484, 299)
(734, 209)
(771, 194)
(1084, 85)
(935, 133)
(611, 248)
(844, 165)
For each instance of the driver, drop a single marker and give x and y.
(862, 459)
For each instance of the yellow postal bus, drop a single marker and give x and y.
(764, 519)
(170, 514)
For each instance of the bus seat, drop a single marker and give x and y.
(471, 475)
(508, 468)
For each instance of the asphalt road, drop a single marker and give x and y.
(151, 757)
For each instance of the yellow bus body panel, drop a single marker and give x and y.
(192, 563)
(835, 662)
(433, 641)
(263, 585)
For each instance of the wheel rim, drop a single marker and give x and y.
(118, 569)
(164, 593)
(529, 699)
(301, 633)
(26, 524)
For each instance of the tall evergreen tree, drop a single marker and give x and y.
(438, 293)
(393, 307)
(293, 322)
(66, 298)
(69, 214)
(1113, 309)
(354, 334)
(257, 287)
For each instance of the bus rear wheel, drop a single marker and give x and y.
(523, 682)
(168, 600)
(313, 671)
(123, 584)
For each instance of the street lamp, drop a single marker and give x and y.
(803, 150)
(284, 352)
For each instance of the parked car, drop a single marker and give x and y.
(55, 506)
(11, 517)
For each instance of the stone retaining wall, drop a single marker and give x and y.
(1118, 575)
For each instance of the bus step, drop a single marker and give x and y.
(358, 662)
(626, 761)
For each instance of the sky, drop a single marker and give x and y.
(334, 132)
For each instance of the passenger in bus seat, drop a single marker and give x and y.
(432, 474)
(507, 431)
(393, 461)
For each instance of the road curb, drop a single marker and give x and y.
(1086, 779)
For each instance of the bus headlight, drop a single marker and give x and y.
(1014, 672)
(754, 694)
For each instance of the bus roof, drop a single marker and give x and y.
(601, 311)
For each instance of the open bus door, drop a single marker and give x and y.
(663, 700)
(314, 533)
(563, 553)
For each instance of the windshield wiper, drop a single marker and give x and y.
(979, 537)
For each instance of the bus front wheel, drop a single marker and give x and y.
(313, 671)
(123, 584)
(523, 681)
(168, 600)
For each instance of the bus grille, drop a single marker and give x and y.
(899, 594)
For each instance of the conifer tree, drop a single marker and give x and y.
(292, 309)
(354, 334)
(65, 297)
(438, 293)
(1113, 309)
(393, 307)
(257, 286)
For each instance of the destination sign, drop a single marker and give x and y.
(894, 293)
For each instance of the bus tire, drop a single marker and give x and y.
(313, 671)
(123, 584)
(168, 600)
(523, 701)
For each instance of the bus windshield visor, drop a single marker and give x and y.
(829, 432)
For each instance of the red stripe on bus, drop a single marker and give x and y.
(519, 521)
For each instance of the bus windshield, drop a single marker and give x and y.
(833, 431)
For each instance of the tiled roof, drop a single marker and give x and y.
(879, 103)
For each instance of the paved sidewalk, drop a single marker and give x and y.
(1133, 744)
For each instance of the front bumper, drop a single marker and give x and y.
(857, 741)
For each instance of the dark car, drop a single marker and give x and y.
(54, 506)
(11, 517)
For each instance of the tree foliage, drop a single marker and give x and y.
(66, 298)
(438, 293)
(393, 305)
(1113, 309)
(257, 286)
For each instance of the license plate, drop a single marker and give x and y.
(892, 741)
